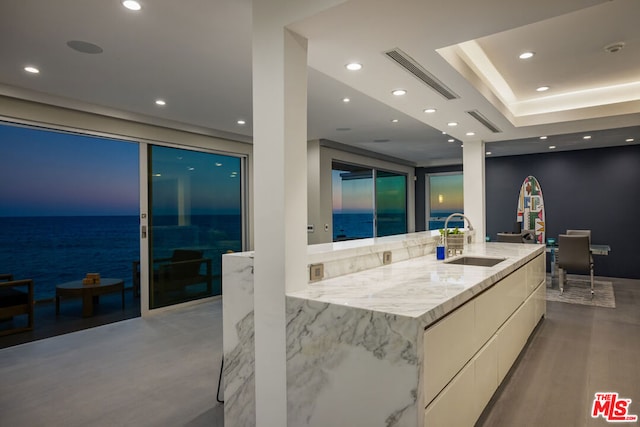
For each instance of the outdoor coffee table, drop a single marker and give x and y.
(89, 293)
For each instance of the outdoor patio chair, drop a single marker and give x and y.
(174, 274)
(16, 298)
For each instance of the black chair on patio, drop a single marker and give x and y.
(16, 298)
(173, 275)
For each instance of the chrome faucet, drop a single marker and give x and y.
(446, 231)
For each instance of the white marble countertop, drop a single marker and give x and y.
(424, 288)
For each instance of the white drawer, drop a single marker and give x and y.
(536, 273)
(486, 375)
(454, 406)
(494, 306)
(448, 346)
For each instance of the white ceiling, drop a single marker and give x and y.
(196, 54)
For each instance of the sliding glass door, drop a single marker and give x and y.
(195, 205)
(444, 196)
(391, 203)
(367, 202)
(353, 214)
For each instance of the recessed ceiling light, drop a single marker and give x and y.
(399, 92)
(542, 88)
(131, 5)
(241, 122)
(586, 137)
(161, 102)
(32, 70)
(444, 133)
(353, 66)
(629, 140)
(345, 100)
(394, 120)
(461, 145)
(552, 147)
(84, 47)
(543, 137)
(470, 133)
(450, 140)
(430, 110)
(526, 55)
(218, 164)
(452, 124)
(488, 153)
(614, 47)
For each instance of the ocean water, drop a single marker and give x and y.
(347, 226)
(54, 250)
(438, 218)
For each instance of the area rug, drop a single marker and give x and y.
(577, 290)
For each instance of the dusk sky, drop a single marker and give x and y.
(446, 193)
(47, 173)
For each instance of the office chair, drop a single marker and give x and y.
(510, 238)
(580, 233)
(573, 255)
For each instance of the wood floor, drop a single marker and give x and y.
(163, 370)
(575, 352)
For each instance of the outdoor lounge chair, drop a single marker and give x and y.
(172, 276)
(16, 298)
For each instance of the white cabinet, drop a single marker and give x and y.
(448, 345)
(448, 409)
(468, 353)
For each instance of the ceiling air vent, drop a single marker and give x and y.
(485, 122)
(409, 64)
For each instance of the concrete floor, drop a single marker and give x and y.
(163, 371)
(159, 371)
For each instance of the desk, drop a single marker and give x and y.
(89, 293)
(594, 249)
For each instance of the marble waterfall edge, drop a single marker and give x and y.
(238, 340)
(349, 366)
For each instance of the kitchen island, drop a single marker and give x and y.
(417, 342)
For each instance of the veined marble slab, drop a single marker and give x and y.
(356, 338)
(238, 340)
(422, 287)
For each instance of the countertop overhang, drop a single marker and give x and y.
(423, 288)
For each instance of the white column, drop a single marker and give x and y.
(280, 198)
(473, 154)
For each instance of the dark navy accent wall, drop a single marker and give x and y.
(597, 189)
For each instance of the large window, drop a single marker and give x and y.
(69, 205)
(391, 203)
(196, 217)
(367, 202)
(444, 197)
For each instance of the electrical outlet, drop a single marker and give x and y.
(386, 257)
(316, 272)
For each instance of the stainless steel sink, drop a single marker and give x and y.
(475, 260)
